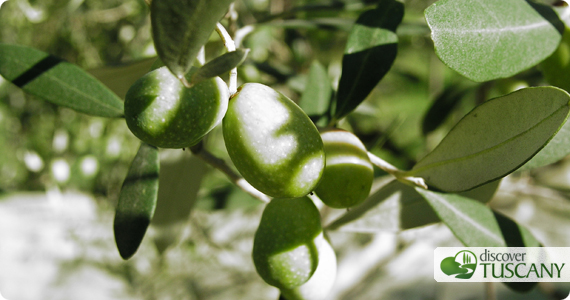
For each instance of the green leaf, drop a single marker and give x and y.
(556, 68)
(181, 27)
(218, 66)
(369, 53)
(489, 39)
(475, 224)
(59, 82)
(494, 139)
(137, 201)
(318, 90)
(397, 206)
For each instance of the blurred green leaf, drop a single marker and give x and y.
(494, 139)
(120, 78)
(397, 206)
(318, 90)
(181, 27)
(370, 52)
(137, 201)
(556, 68)
(442, 106)
(180, 179)
(57, 81)
(219, 65)
(489, 39)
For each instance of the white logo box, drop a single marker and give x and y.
(502, 264)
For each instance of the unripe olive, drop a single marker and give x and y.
(556, 68)
(320, 284)
(286, 243)
(348, 174)
(272, 142)
(161, 111)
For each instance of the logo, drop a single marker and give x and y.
(501, 264)
(462, 265)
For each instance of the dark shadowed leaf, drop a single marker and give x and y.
(137, 201)
(218, 66)
(57, 81)
(489, 39)
(442, 106)
(369, 53)
(181, 27)
(317, 94)
(494, 139)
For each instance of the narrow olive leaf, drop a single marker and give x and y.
(59, 82)
(494, 139)
(369, 53)
(442, 106)
(316, 97)
(181, 27)
(489, 39)
(475, 224)
(137, 201)
(218, 66)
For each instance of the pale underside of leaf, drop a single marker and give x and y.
(494, 139)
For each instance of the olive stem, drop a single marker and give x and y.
(399, 174)
(230, 46)
(221, 165)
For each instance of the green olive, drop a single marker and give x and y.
(286, 243)
(161, 111)
(320, 284)
(348, 174)
(272, 142)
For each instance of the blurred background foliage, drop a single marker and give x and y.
(45, 148)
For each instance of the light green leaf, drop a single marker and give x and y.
(475, 224)
(181, 27)
(59, 82)
(494, 139)
(472, 223)
(490, 39)
(317, 94)
(137, 201)
(218, 66)
(369, 53)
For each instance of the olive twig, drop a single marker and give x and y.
(399, 174)
(230, 46)
(221, 165)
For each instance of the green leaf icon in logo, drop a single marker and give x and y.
(463, 264)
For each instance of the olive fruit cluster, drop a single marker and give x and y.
(279, 151)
